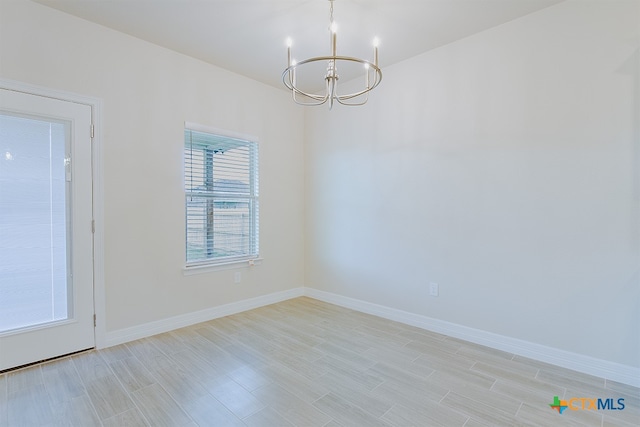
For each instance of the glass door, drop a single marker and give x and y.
(46, 242)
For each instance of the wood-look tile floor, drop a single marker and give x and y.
(303, 363)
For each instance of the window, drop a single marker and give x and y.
(221, 189)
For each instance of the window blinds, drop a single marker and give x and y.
(34, 218)
(221, 189)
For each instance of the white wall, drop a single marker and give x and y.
(504, 167)
(148, 93)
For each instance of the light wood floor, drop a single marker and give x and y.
(304, 363)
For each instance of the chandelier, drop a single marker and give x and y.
(371, 74)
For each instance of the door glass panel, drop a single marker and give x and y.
(35, 287)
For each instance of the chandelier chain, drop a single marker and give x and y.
(331, 14)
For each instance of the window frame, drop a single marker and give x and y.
(252, 257)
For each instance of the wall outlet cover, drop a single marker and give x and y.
(434, 289)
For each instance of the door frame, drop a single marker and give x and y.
(97, 189)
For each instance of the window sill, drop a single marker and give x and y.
(231, 265)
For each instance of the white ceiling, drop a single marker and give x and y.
(248, 36)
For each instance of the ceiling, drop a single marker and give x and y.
(248, 37)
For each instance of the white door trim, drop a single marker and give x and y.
(98, 191)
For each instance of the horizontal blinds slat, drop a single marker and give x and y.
(218, 230)
(221, 197)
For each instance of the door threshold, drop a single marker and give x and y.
(28, 365)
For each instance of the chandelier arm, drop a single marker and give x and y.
(295, 90)
(342, 98)
(291, 69)
(330, 91)
(291, 85)
(356, 94)
(353, 104)
(288, 78)
(320, 99)
(308, 104)
(292, 78)
(310, 95)
(360, 93)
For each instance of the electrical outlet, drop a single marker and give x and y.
(433, 289)
(237, 277)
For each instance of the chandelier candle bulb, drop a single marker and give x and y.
(334, 42)
(366, 76)
(375, 51)
(289, 52)
(293, 75)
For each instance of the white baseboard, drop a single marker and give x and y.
(577, 362)
(165, 325)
